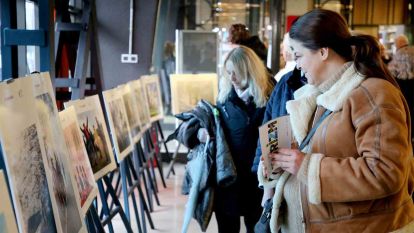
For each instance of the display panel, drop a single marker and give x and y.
(151, 87)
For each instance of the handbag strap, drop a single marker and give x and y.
(314, 128)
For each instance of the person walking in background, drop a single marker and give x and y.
(402, 68)
(240, 35)
(355, 174)
(167, 68)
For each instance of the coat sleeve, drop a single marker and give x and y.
(267, 116)
(383, 162)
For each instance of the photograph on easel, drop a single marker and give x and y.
(20, 140)
(132, 112)
(85, 180)
(141, 104)
(94, 134)
(188, 89)
(118, 122)
(152, 92)
(64, 198)
(7, 220)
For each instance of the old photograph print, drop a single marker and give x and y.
(94, 139)
(152, 91)
(81, 168)
(74, 143)
(141, 104)
(23, 158)
(56, 155)
(32, 188)
(120, 124)
(94, 132)
(132, 115)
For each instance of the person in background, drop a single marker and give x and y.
(287, 56)
(244, 91)
(356, 172)
(167, 68)
(402, 68)
(240, 35)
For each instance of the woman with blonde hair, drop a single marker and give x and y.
(244, 91)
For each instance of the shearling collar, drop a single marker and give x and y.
(301, 109)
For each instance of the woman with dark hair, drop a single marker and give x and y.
(355, 174)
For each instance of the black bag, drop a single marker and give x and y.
(263, 225)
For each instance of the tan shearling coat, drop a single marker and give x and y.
(358, 175)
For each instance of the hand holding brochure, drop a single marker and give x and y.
(275, 134)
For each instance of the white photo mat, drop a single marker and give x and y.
(95, 134)
(81, 167)
(118, 123)
(188, 89)
(60, 178)
(152, 90)
(23, 156)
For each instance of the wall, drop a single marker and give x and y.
(113, 32)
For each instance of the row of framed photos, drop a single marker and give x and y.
(53, 159)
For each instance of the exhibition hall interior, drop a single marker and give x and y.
(114, 115)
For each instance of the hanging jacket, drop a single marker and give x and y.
(215, 163)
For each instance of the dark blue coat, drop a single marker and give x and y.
(240, 122)
(276, 106)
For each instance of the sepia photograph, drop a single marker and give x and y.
(152, 92)
(131, 109)
(141, 103)
(20, 140)
(95, 135)
(85, 181)
(118, 122)
(188, 89)
(64, 200)
(7, 220)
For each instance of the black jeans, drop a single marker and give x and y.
(231, 224)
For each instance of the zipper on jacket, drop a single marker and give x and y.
(225, 112)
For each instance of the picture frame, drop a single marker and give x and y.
(196, 51)
(188, 89)
(141, 103)
(61, 181)
(131, 108)
(152, 90)
(24, 157)
(92, 126)
(118, 123)
(80, 165)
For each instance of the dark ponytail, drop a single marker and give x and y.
(321, 28)
(367, 58)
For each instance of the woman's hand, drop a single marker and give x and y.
(287, 159)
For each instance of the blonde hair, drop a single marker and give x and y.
(251, 70)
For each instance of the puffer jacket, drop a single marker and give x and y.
(216, 164)
(358, 175)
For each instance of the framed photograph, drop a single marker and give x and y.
(95, 135)
(152, 92)
(81, 167)
(7, 220)
(188, 89)
(131, 108)
(118, 123)
(196, 52)
(60, 179)
(141, 103)
(24, 157)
